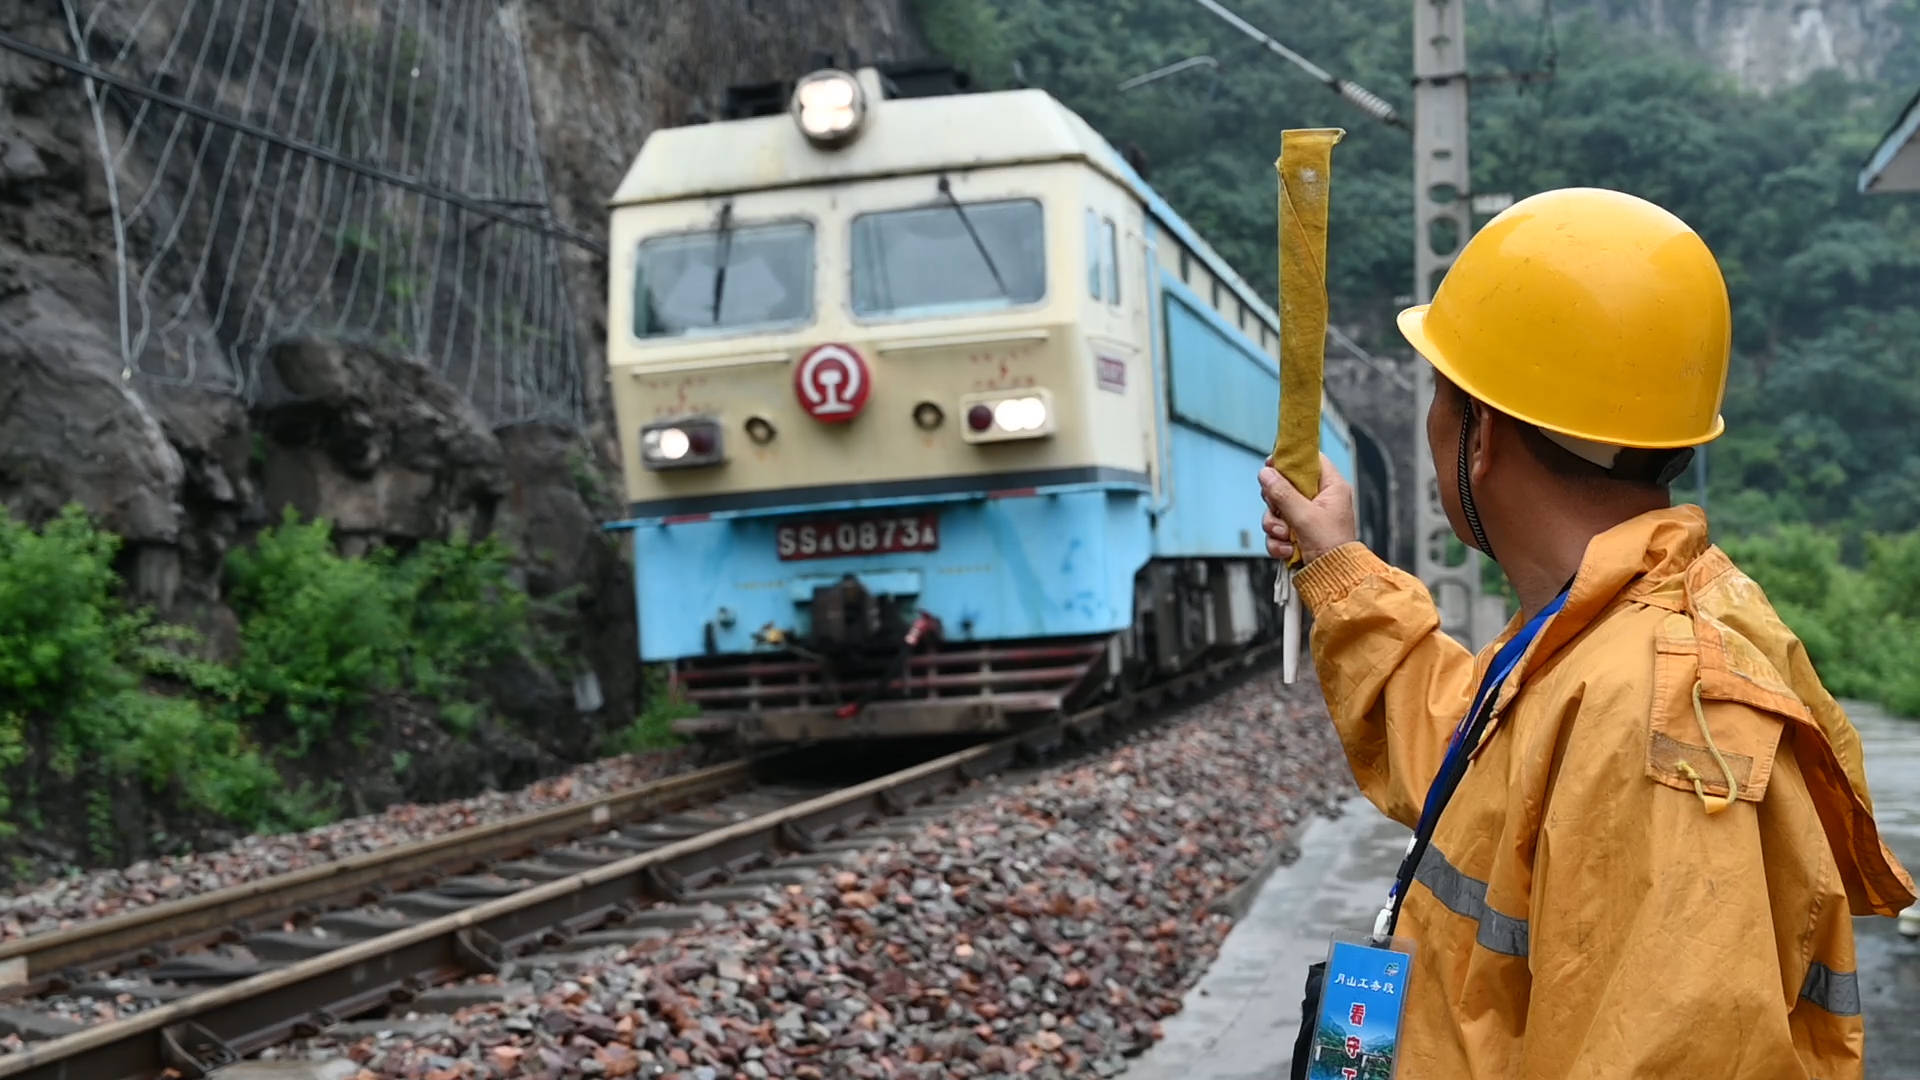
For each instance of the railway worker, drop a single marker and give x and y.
(1590, 903)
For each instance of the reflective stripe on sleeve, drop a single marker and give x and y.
(1838, 992)
(1466, 896)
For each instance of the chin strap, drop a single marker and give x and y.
(1466, 484)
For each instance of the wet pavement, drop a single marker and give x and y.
(1239, 1022)
(1889, 964)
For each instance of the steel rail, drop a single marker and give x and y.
(32, 964)
(194, 1035)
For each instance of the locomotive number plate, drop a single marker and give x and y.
(868, 536)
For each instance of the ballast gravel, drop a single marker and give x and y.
(1043, 930)
(66, 901)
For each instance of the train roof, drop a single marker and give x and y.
(969, 130)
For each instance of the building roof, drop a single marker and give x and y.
(1895, 164)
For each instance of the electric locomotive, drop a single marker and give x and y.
(935, 416)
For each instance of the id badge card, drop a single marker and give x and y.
(1357, 1033)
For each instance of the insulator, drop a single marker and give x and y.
(1369, 101)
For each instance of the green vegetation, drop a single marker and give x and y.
(1816, 480)
(588, 481)
(322, 636)
(95, 696)
(653, 728)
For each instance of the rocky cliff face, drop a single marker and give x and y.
(1765, 44)
(1769, 44)
(188, 442)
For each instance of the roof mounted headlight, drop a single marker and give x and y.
(829, 106)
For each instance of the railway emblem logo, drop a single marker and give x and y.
(832, 383)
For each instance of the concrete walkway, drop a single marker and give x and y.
(1889, 964)
(1239, 1022)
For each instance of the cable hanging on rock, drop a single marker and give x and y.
(326, 195)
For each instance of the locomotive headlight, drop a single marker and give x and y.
(680, 444)
(1020, 414)
(829, 106)
(1017, 414)
(672, 444)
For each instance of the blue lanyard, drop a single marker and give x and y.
(1503, 664)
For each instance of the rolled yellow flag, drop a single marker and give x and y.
(1306, 174)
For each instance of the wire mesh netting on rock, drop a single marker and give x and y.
(427, 233)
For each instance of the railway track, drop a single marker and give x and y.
(582, 876)
(68, 960)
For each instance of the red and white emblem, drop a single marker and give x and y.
(832, 383)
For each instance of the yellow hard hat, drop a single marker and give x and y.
(1587, 312)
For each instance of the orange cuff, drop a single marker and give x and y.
(1336, 573)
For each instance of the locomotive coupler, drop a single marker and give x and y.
(846, 617)
(926, 628)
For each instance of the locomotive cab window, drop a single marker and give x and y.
(949, 258)
(743, 278)
(1103, 259)
(1094, 276)
(1111, 247)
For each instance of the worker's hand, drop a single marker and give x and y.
(1316, 526)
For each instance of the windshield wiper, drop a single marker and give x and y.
(947, 190)
(725, 256)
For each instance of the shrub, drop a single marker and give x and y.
(319, 634)
(322, 635)
(660, 706)
(102, 696)
(63, 637)
(464, 612)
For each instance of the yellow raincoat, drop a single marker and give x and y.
(1580, 912)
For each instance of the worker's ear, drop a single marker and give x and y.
(1489, 438)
